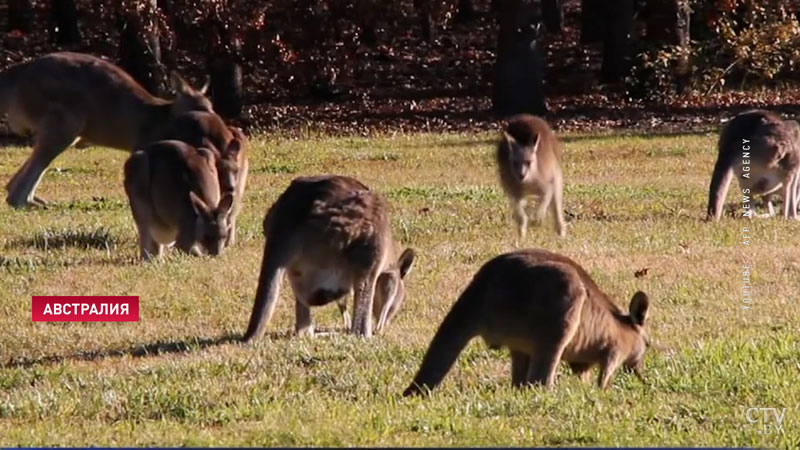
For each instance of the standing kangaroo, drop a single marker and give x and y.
(545, 308)
(207, 130)
(332, 235)
(763, 151)
(61, 98)
(529, 164)
(174, 195)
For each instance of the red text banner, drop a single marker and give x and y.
(86, 308)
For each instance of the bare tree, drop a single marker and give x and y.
(518, 68)
(140, 46)
(617, 39)
(20, 15)
(667, 23)
(64, 27)
(553, 15)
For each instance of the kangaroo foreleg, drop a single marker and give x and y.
(364, 293)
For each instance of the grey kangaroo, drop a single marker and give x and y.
(763, 152)
(61, 98)
(174, 195)
(332, 236)
(545, 308)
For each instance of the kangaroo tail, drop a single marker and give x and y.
(720, 182)
(741, 126)
(455, 332)
(269, 286)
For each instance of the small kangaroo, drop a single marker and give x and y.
(529, 164)
(207, 130)
(763, 151)
(62, 98)
(174, 195)
(545, 308)
(332, 235)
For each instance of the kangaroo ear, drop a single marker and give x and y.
(509, 139)
(233, 147)
(179, 85)
(208, 154)
(225, 204)
(406, 262)
(535, 146)
(198, 204)
(206, 84)
(639, 306)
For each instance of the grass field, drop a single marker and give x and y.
(178, 377)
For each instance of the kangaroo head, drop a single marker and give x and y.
(228, 165)
(521, 158)
(187, 98)
(211, 226)
(638, 316)
(390, 290)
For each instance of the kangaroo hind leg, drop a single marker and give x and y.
(544, 363)
(55, 133)
(520, 367)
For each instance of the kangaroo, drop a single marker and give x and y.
(174, 195)
(64, 97)
(545, 308)
(529, 164)
(207, 130)
(332, 235)
(763, 151)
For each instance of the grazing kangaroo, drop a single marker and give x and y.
(332, 235)
(529, 164)
(763, 151)
(545, 308)
(61, 98)
(207, 130)
(174, 194)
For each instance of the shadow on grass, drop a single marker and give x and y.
(139, 351)
(99, 238)
(158, 348)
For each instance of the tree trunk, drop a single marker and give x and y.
(20, 15)
(226, 85)
(140, 48)
(465, 11)
(553, 15)
(617, 40)
(424, 10)
(165, 7)
(367, 18)
(64, 22)
(518, 69)
(667, 23)
(592, 21)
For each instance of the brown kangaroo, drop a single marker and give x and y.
(763, 151)
(528, 161)
(207, 130)
(332, 235)
(61, 98)
(545, 308)
(174, 195)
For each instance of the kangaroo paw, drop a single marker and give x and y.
(39, 201)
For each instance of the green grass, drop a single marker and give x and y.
(178, 377)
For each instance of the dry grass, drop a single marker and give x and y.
(178, 377)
